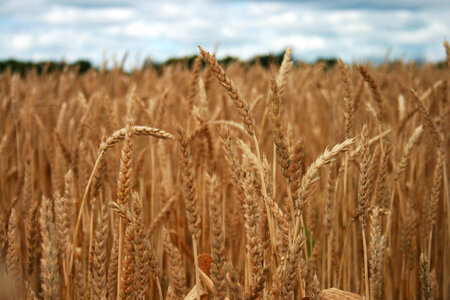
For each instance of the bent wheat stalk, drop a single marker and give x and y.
(116, 137)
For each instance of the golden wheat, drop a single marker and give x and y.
(149, 186)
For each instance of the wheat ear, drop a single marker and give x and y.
(376, 93)
(435, 193)
(50, 277)
(348, 101)
(376, 249)
(13, 264)
(253, 245)
(363, 198)
(33, 236)
(123, 195)
(425, 278)
(116, 137)
(217, 236)
(99, 255)
(142, 254)
(176, 276)
(242, 106)
(128, 275)
(190, 197)
(278, 132)
(428, 120)
(282, 77)
(113, 260)
(447, 52)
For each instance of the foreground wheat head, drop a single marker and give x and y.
(242, 182)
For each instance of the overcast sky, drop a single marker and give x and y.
(353, 30)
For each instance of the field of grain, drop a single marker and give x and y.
(248, 183)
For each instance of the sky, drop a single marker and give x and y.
(98, 29)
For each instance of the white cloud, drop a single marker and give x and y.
(21, 42)
(59, 15)
(434, 30)
(139, 29)
(302, 43)
(288, 18)
(87, 29)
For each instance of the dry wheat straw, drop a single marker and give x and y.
(162, 215)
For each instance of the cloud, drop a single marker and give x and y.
(73, 16)
(46, 29)
(21, 42)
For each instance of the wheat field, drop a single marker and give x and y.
(244, 183)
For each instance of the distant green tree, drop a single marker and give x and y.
(22, 67)
(329, 61)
